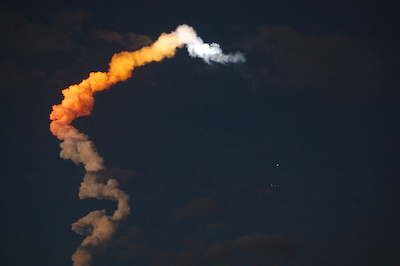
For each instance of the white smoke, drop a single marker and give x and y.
(208, 52)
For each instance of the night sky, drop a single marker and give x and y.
(291, 158)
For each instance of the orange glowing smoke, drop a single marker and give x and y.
(78, 99)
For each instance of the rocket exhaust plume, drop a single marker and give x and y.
(78, 101)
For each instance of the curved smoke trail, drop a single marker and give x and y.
(78, 101)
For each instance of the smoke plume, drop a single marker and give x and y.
(78, 101)
(208, 52)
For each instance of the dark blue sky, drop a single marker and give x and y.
(196, 146)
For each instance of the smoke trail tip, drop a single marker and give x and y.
(186, 35)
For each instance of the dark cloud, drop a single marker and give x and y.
(11, 75)
(20, 35)
(252, 249)
(132, 250)
(30, 48)
(339, 64)
(127, 247)
(189, 259)
(128, 41)
(217, 252)
(202, 206)
(323, 262)
(363, 250)
(134, 230)
(72, 22)
(261, 244)
(163, 259)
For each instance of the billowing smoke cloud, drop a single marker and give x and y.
(208, 52)
(97, 225)
(78, 101)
